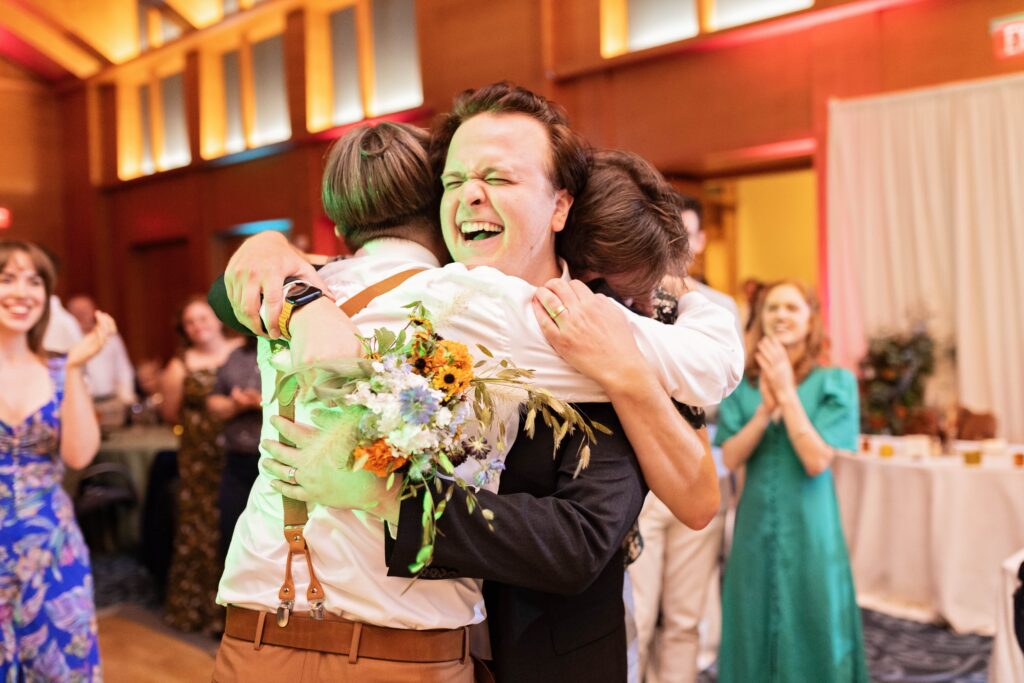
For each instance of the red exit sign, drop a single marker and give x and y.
(5, 218)
(1008, 36)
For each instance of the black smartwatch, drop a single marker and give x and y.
(298, 294)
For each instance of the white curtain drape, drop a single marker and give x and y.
(926, 223)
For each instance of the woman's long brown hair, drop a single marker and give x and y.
(815, 342)
(44, 268)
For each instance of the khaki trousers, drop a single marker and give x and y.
(239, 661)
(672, 577)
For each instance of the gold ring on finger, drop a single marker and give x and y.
(561, 309)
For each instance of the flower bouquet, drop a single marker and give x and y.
(415, 411)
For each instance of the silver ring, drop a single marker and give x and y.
(291, 477)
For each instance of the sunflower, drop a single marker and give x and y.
(452, 367)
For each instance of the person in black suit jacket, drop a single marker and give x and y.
(553, 565)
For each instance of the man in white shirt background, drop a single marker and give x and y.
(109, 375)
(675, 577)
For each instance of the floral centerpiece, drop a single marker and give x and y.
(892, 379)
(416, 409)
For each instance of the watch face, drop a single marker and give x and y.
(304, 296)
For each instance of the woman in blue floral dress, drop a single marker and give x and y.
(47, 618)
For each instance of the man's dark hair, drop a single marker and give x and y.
(570, 153)
(690, 203)
(628, 221)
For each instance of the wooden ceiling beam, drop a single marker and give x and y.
(51, 39)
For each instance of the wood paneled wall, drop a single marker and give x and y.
(692, 111)
(31, 180)
(685, 108)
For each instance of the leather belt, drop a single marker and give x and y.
(339, 636)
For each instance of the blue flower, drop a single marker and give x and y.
(418, 404)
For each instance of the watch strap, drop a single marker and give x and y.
(287, 308)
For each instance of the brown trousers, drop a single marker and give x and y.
(239, 661)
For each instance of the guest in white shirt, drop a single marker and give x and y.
(109, 374)
(62, 331)
(672, 577)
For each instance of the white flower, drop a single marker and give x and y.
(412, 438)
(390, 412)
(282, 360)
(443, 417)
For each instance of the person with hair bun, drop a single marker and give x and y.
(47, 617)
(789, 610)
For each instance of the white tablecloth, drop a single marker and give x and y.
(927, 537)
(1007, 664)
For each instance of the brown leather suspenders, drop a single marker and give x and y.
(295, 512)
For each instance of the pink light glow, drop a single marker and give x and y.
(773, 151)
(791, 24)
(24, 54)
(407, 116)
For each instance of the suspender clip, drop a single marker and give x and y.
(284, 610)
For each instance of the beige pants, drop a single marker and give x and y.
(672, 577)
(239, 661)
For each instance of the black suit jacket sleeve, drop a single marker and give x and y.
(552, 532)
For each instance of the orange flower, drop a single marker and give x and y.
(452, 366)
(379, 458)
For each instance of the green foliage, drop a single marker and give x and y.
(892, 380)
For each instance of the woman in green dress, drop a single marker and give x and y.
(789, 608)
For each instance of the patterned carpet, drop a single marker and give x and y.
(901, 651)
(119, 578)
(898, 651)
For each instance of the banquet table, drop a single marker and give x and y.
(1007, 663)
(135, 448)
(927, 536)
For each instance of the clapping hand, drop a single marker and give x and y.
(777, 378)
(246, 399)
(90, 345)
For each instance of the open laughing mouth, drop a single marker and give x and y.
(474, 231)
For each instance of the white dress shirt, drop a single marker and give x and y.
(62, 331)
(109, 374)
(699, 360)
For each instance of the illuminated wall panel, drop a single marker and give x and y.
(347, 105)
(234, 129)
(175, 152)
(397, 82)
(656, 22)
(271, 122)
(727, 13)
(146, 163)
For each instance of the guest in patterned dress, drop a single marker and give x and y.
(789, 610)
(47, 618)
(187, 381)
